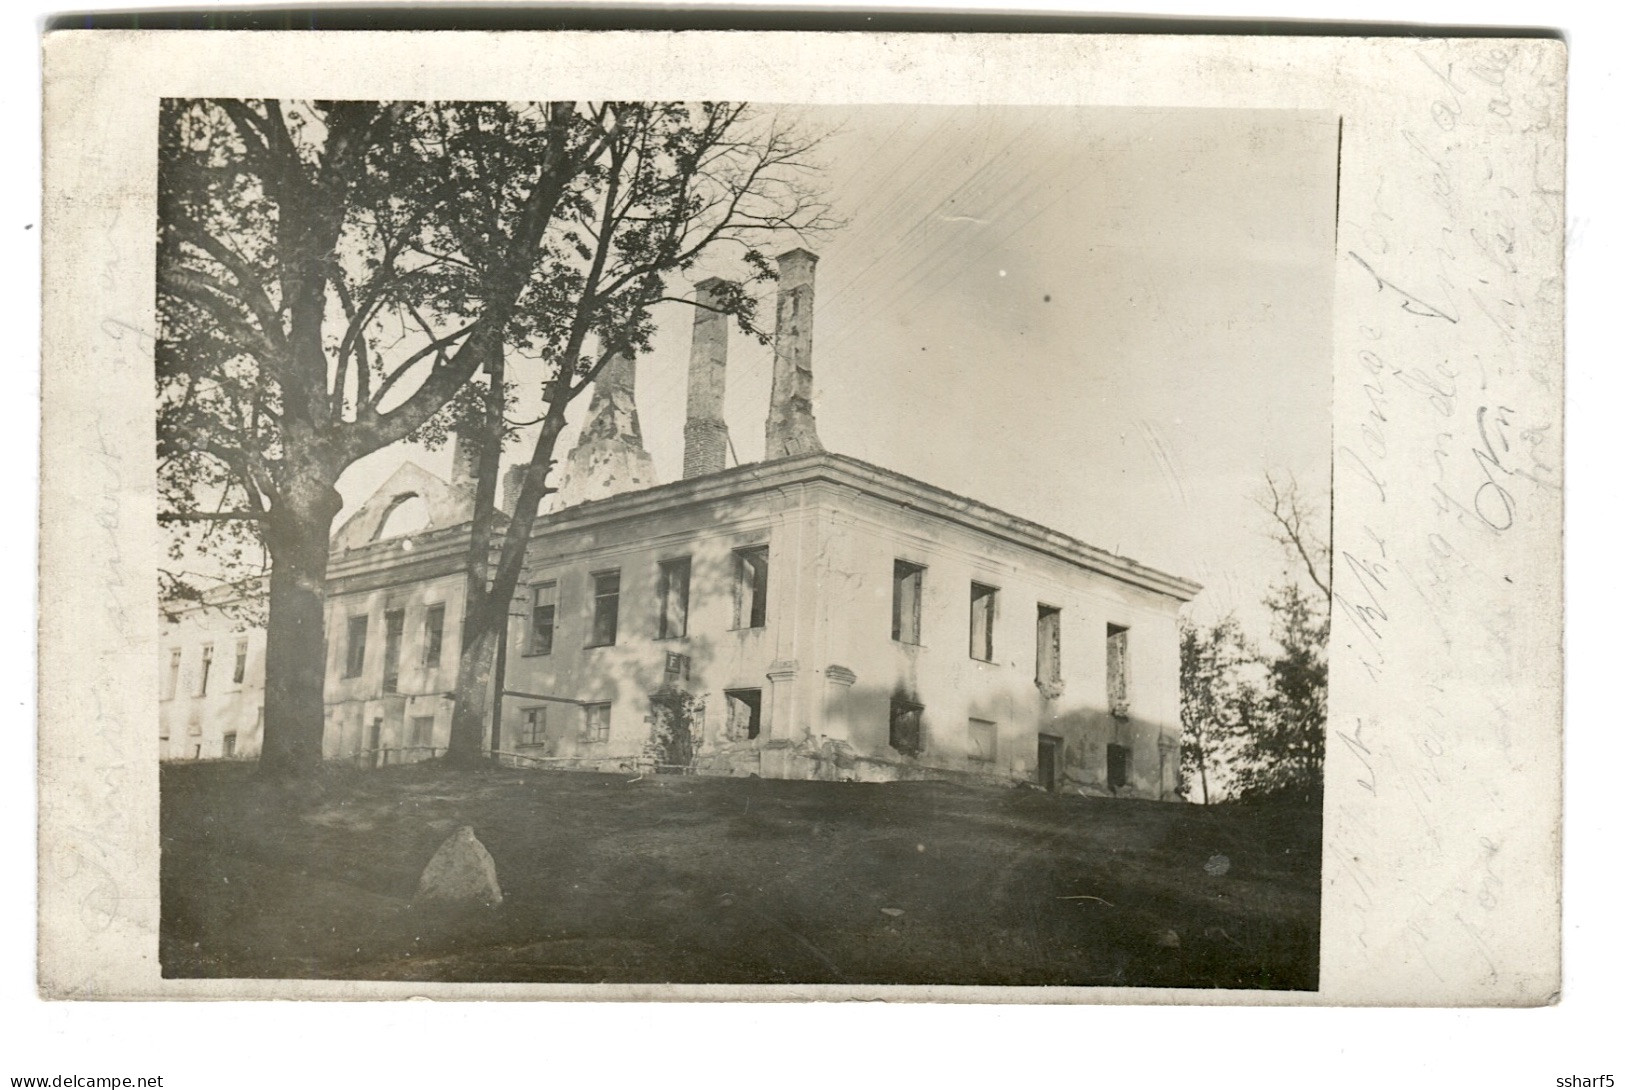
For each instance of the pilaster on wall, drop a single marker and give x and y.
(781, 724)
(838, 682)
(794, 611)
(1167, 766)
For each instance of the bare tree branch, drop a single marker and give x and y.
(1287, 509)
(248, 290)
(439, 345)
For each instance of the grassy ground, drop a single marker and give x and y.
(731, 881)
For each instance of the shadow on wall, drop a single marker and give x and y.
(657, 696)
(895, 735)
(695, 681)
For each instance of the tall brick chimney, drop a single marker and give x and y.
(791, 429)
(465, 460)
(465, 455)
(705, 430)
(513, 479)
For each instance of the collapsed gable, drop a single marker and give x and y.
(442, 505)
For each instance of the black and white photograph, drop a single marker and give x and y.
(732, 543)
(1029, 549)
(732, 546)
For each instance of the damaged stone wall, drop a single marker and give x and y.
(608, 457)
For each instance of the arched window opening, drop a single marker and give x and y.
(407, 514)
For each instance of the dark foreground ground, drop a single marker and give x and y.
(730, 881)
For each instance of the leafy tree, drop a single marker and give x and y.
(1219, 701)
(1255, 719)
(1283, 754)
(315, 303)
(672, 184)
(336, 277)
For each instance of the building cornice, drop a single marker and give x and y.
(842, 471)
(399, 561)
(442, 552)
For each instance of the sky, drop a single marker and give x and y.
(1111, 321)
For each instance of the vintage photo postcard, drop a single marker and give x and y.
(1065, 518)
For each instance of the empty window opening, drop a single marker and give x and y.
(228, 745)
(394, 627)
(983, 600)
(533, 727)
(606, 607)
(906, 581)
(422, 730)
(1048, 672)
(355, 648)
(434, 634)
(1117, 679)
(744, 713)
(203, 670)
(595, 723)
(750, 587)
(984, 740)
(1117, 763)
(172, 679)
(905, 736)
(543, 611)
(674, 598)
(240, 668)
(407, 514)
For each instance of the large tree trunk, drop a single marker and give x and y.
(297, 536)
(488, 597)
(476, 664)
(483, 615)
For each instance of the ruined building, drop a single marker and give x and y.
(810, 616)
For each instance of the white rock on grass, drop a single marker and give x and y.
(460, 873)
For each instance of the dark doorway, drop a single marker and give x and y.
(1116, 766)
(375, 739)
(1049, 760)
